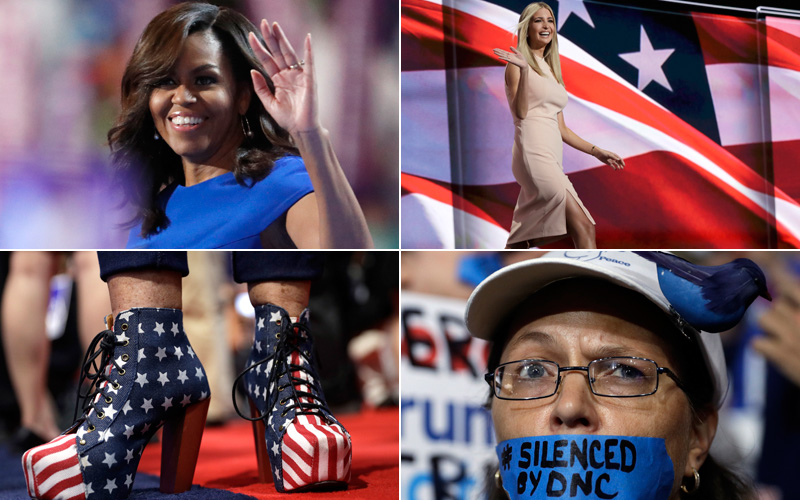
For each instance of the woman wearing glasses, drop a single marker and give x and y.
(601, 386)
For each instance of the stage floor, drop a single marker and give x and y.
(227, 469)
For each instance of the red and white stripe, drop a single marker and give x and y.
(735, 68)
(53, 471)
(313, 450)
(675, 172)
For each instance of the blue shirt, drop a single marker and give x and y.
(221, 213)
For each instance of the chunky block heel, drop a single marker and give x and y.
(259, 436)
(181, 446)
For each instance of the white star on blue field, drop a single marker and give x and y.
(656, 50)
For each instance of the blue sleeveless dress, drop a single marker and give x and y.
(221, 213)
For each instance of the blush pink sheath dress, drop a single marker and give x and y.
(540, 213)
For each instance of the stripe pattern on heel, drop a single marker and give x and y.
(308, 448)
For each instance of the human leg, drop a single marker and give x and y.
(143, 374)
(279, 278)
(304, 443)
(92, 294)
(24, 305)
(579, 227)
(207, 302)
(144, 288)
(520, 245)
(290, 295)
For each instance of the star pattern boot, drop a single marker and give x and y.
(144, 375)
(298, 438)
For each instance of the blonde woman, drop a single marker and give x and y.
(548, 208)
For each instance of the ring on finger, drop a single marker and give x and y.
(297, 64)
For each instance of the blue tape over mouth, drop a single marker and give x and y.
(586, 466)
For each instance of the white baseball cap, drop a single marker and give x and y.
(499, 294)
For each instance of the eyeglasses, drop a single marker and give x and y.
(616, 377)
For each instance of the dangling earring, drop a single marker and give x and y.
(498, 481)
(696, 484)
(156, 136)
(246, 128)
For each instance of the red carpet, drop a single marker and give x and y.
(228, 459)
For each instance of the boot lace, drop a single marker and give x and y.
(96, 371)
(289, 338)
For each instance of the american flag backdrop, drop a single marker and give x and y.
(704, 108)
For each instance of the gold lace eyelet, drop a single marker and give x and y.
(101, 415)
(283, 401)
(284, 412)
(126, 343)
(90, 428)
(108, 399)
(115, 385)
(124, 327)
(278, 322)
(125, 357)
(122, 371)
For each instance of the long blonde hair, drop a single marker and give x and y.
(550, 51)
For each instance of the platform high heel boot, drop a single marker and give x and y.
(143, 374)
(297, 437)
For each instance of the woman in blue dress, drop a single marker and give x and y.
(219, 141)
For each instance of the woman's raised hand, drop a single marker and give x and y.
(514, 57)
(294, 103)
(613, 159)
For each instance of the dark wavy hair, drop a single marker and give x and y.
(718, 482)
(150, 164)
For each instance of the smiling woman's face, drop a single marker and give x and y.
(573, 326)
(541, 28)
(196, 108)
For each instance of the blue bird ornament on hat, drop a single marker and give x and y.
(710, 298)
(701, 301)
